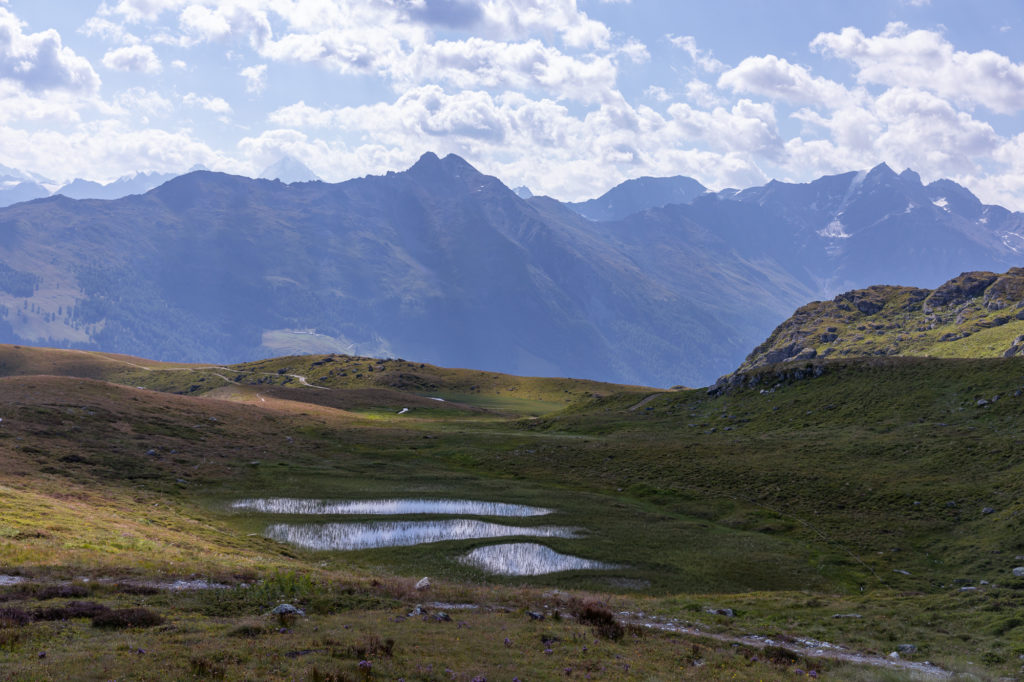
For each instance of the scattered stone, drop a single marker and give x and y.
(900, 571)
(847, 615)
(442, 617)
(1018, 572)
(540, 616)
(894, 655)
(988, 510)
(423, 584)
(982, 403)
(418, 611)
(151, 452)
(907, 648)
(951, 505)
(728, 613)
(286, 615)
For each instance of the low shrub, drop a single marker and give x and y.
(14, 618)
(127, 618)
(590, 612)
(71, 591)
(73, 609)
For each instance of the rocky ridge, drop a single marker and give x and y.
(976, 314)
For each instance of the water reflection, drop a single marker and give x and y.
(527, 558)
(285, 505)
(400, 533)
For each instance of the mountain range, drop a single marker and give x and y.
(668, 284)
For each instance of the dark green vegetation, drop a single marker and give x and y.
(876, 487)
(446, 265)
(974, 315)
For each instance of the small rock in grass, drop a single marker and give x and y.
(423, 584)
(907, 648)
(540, 616)
(1018, 572)
(988, 510)
(286, 610)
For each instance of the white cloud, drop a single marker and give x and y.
(40, 61)
(179, 64)
(106, 150)
(925, 60)
(521, 18)
(530, 65)
(703, 95)
(567, 155)
(146, 102)
(212, 104)
(701, 58)
(138, 58)
(636, 51)
(656, 92)
(776, 78)
(255, 78)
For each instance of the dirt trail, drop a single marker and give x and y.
(644, 401)
(805, 647)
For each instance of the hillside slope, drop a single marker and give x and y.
(878, 487)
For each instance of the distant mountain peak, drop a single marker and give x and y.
(881, 171)
(911, 176)
(639, 194)
(288, 169)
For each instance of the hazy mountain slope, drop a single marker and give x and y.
(858, 229)
(977, 314)
(439, 262)
(639, 194)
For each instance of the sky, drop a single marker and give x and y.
(567, 97)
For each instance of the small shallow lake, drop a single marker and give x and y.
(527, 558)
(287, 505)
(343, 536)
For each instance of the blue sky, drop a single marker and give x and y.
(568, 97)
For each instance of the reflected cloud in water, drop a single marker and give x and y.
(341, 536)
(527, 558)
(286, 505)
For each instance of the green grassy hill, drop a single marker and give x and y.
(875, 487)
(974, 315)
